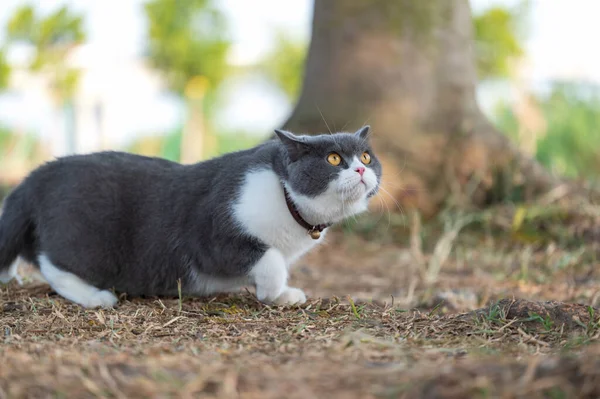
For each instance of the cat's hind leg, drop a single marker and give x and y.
(11, 273)
(73, 288)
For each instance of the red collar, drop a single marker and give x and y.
(314, 231)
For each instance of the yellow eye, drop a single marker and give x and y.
(365, 158)
(334, 159)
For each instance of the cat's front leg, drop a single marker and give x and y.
(270, 276)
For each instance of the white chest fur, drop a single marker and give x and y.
(261, 211)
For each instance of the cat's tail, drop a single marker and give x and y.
(14, 224)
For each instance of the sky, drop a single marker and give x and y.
(118, 28)
(560, 44)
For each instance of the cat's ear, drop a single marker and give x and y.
(296, 146)
(364, 132)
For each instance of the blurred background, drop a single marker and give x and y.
(192, 79)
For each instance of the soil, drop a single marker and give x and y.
(505, 316)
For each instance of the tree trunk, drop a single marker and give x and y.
(407, 68)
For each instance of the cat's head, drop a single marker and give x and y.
(331, 176)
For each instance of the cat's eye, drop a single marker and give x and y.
(334, 159)
(365, 158)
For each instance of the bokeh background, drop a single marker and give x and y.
(486, 283)
(189, 80)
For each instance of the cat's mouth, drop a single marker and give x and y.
(362, 185)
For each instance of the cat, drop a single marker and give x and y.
(113, 221)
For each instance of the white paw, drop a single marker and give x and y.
(11, 273)
(101, 299)
(268, 294)
(5, 277)
(291, 296)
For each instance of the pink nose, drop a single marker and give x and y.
(360, 170)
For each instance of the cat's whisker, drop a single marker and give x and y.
(390, 180)
(364, 141)
(343, 127)
(343, 201)
(403, 217)
(366, 121)
(326, 124)
(403, 166)
(398, 205)
(402, 188)
(386, 192)
(387, 209)
(389, 213)
(393, 176)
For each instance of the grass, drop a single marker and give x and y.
(375, 326)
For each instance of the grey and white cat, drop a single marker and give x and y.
(139, 225)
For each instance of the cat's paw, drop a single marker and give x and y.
(11, 273)
(101, 299)
(6, 277)
(291, 296)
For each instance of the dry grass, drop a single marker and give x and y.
(503, 318)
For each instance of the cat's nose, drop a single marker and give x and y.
(360, 170)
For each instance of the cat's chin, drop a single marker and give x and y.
(353, 204)
(355, 194)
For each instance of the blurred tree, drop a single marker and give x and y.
(284, 65)
(408, 69)
(497, 40)
(570, 144)
(497, 35)
(52, 37)
(6, 137)
(187, 39)
(18, 153)
(188, 44)
(4, 70)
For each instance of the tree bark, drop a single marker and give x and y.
(407, 68)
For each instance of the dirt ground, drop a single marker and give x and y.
(506, 308)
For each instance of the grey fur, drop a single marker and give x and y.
(138, 224)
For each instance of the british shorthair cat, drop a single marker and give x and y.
(111, 221)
